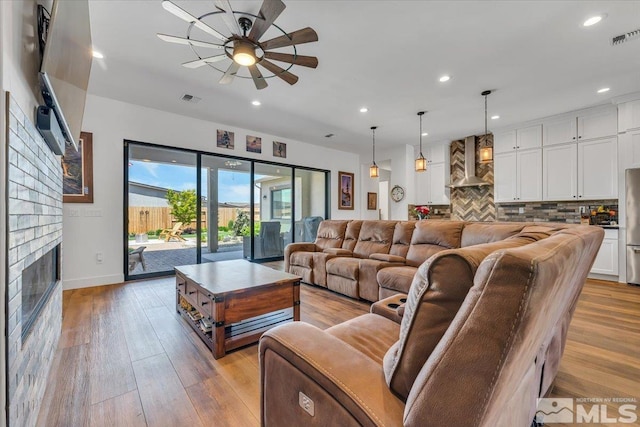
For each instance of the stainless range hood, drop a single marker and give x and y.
(470, 179)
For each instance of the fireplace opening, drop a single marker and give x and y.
(38, 281)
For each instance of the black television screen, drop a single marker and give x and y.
(66, 65)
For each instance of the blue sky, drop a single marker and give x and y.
(232, 186)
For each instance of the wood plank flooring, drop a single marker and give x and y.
(127, 359)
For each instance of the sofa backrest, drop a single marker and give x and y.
(436, 293)
(432, 236)
(375, 238)
(519, 296)
(331, 234)
(402, 238)
(476, 233)
(351, 235)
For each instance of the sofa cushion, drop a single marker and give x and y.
(303, 259)
(331, 234)
(344, 267)
(374, 237)
(388, 258)
(437, 292)
(351, 235)
(370, 334)
(432, 236)
(397, 278)
(402, 238)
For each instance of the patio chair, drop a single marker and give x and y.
(174, 232)
(135, 257)
(270, 239)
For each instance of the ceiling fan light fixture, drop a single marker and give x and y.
(244, 53)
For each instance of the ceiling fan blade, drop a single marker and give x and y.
(305, 61)
(269, 12)
(284, 75)
(305, 35)
(204, 61)
(256, 75)
(186, 16)
(230, 73)
(182, 40)
(228, 17)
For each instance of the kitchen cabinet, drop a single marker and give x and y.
(518, 176)
(590, 124)
(431, 185)
(606, 261)
(598, 169)
(629, 116)
(518, 139)
(560, 172)
(436, 153)
(580, 171)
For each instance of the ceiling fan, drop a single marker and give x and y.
(245, 49)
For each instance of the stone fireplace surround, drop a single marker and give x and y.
(34, 227)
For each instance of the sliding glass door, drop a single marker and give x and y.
(161, 210)
(187, 207)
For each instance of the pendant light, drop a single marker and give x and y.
(486, 150)
(374, 170)
(421, 162)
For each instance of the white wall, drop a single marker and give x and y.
(402, 174)
(113, 121)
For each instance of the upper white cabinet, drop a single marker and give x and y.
(518, 139)
(598, 169)
(590, 124)
(431, 184)
(560, 172)
(629, 116)
(518, 176)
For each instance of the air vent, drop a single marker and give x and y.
(625, 37)
(329, 135)
(190, 98)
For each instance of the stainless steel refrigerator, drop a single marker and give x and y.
(632, 183)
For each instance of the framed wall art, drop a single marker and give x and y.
(254, 144)
(225, 139)
(372, 201)
(77, 171)
(345, 190)
(279, 149)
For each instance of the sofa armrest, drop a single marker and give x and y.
(346, 387)
(338, 252)
(297, 247)
(388, 258)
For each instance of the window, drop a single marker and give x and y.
(281, 203)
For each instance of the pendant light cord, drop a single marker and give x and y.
(485, 120)
(420, 134)
(373, 129)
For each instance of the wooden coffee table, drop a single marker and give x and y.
(232, 303)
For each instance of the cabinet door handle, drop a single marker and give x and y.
(203, 303)
(580, 195)
(580, 137)
(573, 197)
(636, 249)
(514, 148)
(574, 137)
(191, 292)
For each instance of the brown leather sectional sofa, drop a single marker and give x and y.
(479, 339)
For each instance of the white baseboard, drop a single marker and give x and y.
(88, 282)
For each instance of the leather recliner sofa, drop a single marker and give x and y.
(480, 339)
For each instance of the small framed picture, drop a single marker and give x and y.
(372, 201)
(77, 171)
(224, 139)
(254, 144)
(279, 149)
(345, 190)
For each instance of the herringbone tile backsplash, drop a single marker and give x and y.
(472, 203)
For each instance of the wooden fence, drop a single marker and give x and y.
(143, 219)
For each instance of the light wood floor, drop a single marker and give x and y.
(127, 359)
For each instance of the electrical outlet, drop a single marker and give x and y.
(73, 212)
(520, 210)
(93, 212)
(99, 257)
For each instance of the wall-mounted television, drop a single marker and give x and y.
(66, 66)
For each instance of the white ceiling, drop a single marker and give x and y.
(386, 55)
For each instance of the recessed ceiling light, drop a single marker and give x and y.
(173, 161)
(425, 133)
(603, 90)
(496, 117)
(146, 160)
(593, 20)
(364, 109)
(256, 103)
(97, 54)
(445, 78)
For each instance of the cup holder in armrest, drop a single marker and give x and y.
(393, 305)
(403, 300)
